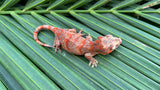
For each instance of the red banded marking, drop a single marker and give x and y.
(60, 29)
(91, 48)
(80, 46)
(59, 33)
(66, 43)
(43, 44)
(35, 32)
(53, 29)
(100, 37)
(67, 40)
(35, 36)
(41, 27)
(99, 45)
(76, 37)
(98, 42)
(109, 51)
(36, 40)
(69, 35)
(49, 27)
(105, 49)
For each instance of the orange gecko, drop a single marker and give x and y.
(74, 43)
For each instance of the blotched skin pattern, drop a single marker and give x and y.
(74, 43)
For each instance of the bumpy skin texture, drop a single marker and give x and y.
(73, 42)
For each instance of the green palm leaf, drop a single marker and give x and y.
(27, 65)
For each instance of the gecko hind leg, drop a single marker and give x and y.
(57, 44)
(92, 60)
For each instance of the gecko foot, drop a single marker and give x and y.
(94, 62)
(80, 32)
(57, 48)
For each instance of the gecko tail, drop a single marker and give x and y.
(48, 27)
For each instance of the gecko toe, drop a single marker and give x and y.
(93, 62)
(60, 50)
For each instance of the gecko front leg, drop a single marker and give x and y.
(92, 60)
(89, 38)
(80, 32)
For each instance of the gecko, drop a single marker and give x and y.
(75, 43)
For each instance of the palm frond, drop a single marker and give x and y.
(25, 64)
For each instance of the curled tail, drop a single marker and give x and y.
(48, 27)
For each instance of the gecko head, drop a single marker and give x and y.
(109, 43)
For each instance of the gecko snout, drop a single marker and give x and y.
(116, 43)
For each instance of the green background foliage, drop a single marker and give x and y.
(135, 64)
